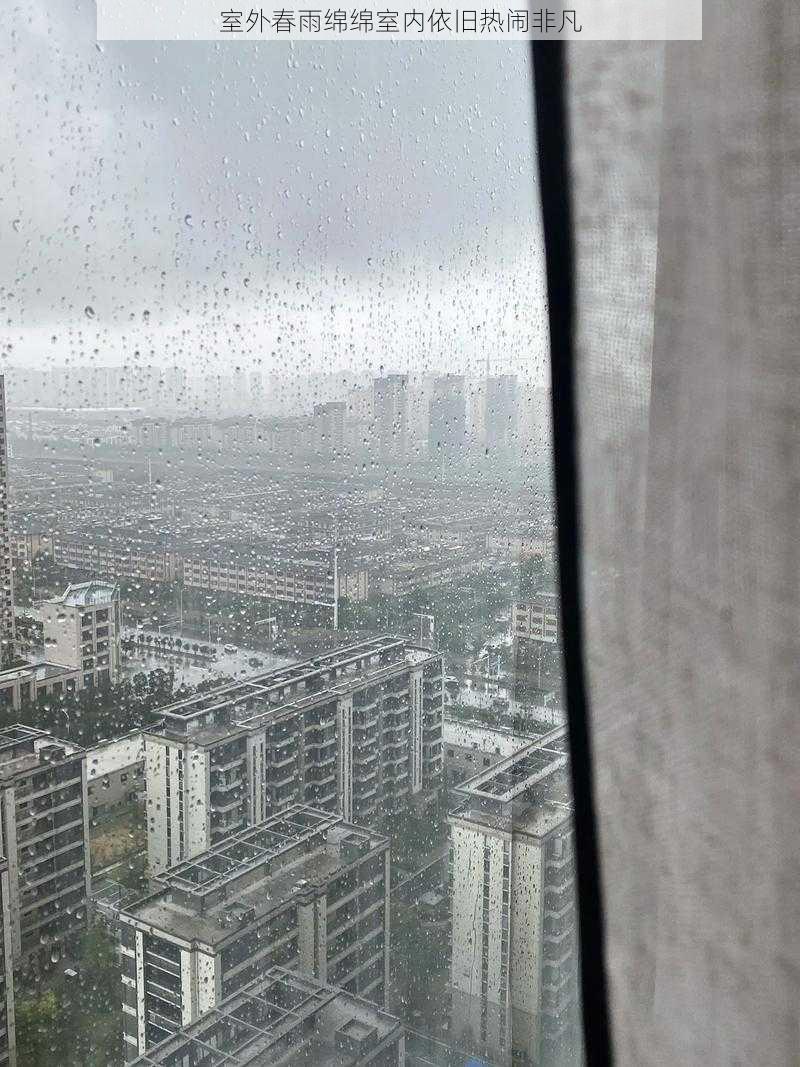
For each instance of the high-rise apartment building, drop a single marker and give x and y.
(329, 424)
(514, 932)
(390, 415)
(285, 1019)
(6, 574)
(501, 418)
(7, 1035)
(303, 889)
(358, 731)
(45, 838)
(447, 421)
(82, 631)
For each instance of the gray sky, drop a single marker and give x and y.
(321, 206)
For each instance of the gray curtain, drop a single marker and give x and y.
(686, 168)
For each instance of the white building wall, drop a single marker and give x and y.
(209, 990)
(62, 634)
(140, 998)
(257, 777)
(467, 913)
(188, 987)
(471, 905)
(109, 757)
(527, 917)
(196, 802)
(156, 777)
(344, 737)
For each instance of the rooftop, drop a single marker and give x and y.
(23, 748)
(526, 792)
(257, 871)
(249, 849)
(518, 772)
(87, 594)
(280, 1018)
(298, 685)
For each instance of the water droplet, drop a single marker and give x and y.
(89, 311)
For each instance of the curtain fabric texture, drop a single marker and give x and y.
(686, 196)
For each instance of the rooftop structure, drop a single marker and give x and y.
(293, 687)
(23, 748)
(284, 1018)
(87, 594)
(252, 873)
(528, 791)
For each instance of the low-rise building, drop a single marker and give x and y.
(82, 631)
(302, 889)
(284, 1019)
(45, 838)
(37, 681)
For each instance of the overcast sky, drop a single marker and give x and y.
(321, 206)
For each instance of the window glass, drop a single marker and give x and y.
(279, 548)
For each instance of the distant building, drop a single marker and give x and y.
(514, 966)
(390, 415)
(447, 421)
(537, 643)
(7, 1035)
(302, 889)
(113, 556)
(502, 413)
(285, 1019)
(82, 631)
(6, 575)
(329, 424)
(44, 838)
(358, 731)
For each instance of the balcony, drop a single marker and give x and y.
(283, 758)
(229, 763)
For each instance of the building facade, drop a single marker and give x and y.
(303, 889)
(45, 838)
(358, 731)
(8, 1055)
(514, 929)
